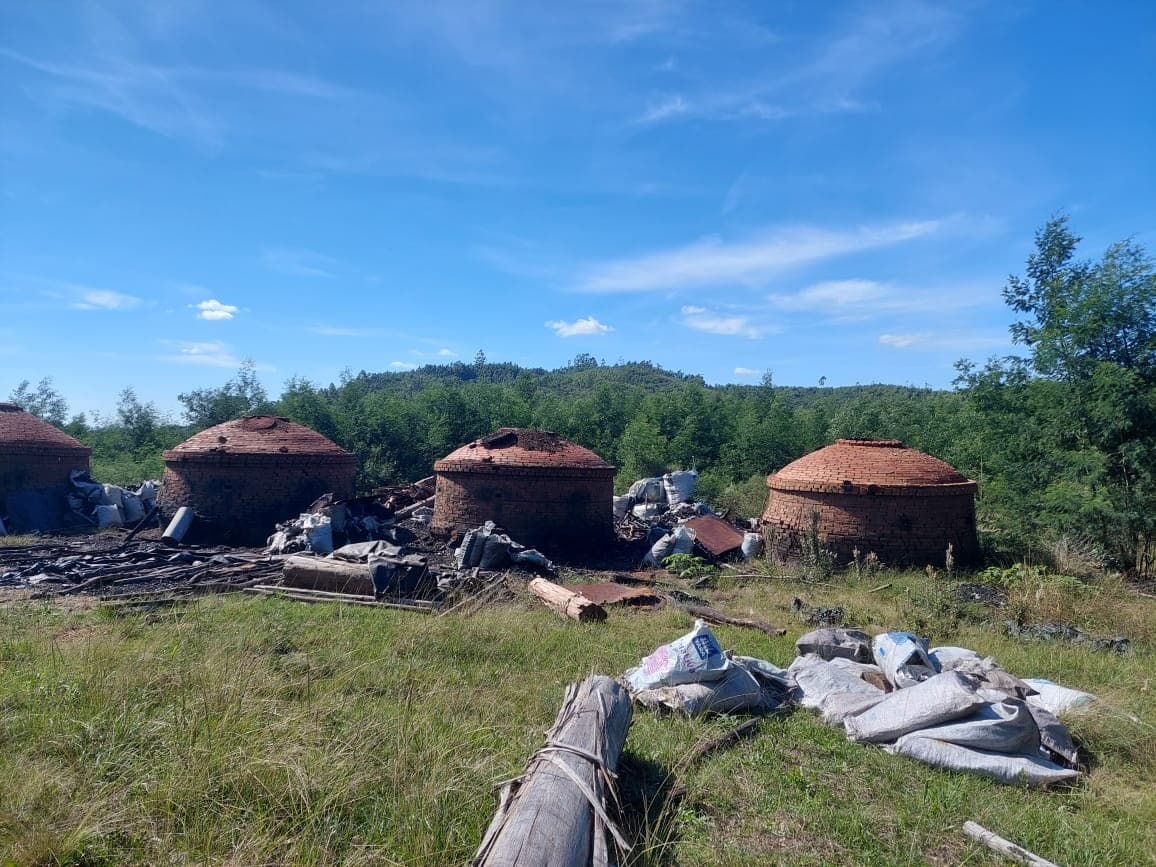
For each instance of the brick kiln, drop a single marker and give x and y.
(544, 491)
(875, 495)
(243, 477)
(34, 455)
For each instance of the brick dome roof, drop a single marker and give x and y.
(521, 447)
(258, 435)
(23, 433)
(870, 467)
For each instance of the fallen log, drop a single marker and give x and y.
(713, 615)
(412, 507)
(557, 813)
(1005, 847)
(567, 602)
(335, 576)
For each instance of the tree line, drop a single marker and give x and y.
(1062, 439)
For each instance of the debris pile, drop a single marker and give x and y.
(104, 506)
(139, 569)
(663, 511)
(944, 706)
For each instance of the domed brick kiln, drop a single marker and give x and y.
(875, 495)
(545, 491)
(34, 455)
(244, 476)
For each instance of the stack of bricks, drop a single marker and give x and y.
(243, 477)
(544, 491)
(876, 496)
(34, 454)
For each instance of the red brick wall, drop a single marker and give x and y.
(49, 469)
(901, 529)
(554, 510)
(241, 501)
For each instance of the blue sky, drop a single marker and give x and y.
(827, 190)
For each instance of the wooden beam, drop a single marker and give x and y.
(567, 602)
(1005, 847)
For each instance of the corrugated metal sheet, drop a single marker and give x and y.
(716, 535)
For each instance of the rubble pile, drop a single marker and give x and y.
(663, 511)
(104, 506)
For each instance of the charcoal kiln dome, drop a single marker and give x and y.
(875, 495)
(34, 455)
(545, 491)
(244, 476)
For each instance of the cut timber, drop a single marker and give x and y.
(567, 602)
(557, 813)
(1005, 847)
(315, 573)
(713, 615)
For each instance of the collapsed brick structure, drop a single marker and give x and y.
(543, 490)
(243, 477)
(34, 455)
(875, 495)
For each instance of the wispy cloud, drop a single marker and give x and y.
(904, 341)
(212, 353)
(953, 341)
(747, 372)
(864, 299)
(665, 109)
(299, 262)
(712, 262)
(587, 327)
(446, 353)
(105, 299)
(214, 311)
(402, 365)
(345, 331)
(701, 319)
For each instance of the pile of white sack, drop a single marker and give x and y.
(945, 706)
(651, 499)
(110, 505)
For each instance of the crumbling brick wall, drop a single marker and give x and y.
(240, 498)
(901, 529)
(875, 495)
(38, 468)
(560, 510)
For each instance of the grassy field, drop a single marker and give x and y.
(241, 730)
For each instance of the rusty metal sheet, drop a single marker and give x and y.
(609, 593)
(716, 535)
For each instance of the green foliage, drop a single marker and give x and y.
(44, 401)
(688, 566)
(242, 395)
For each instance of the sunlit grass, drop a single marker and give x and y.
(241, 730)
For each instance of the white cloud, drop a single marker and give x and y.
(671, 107)
(701, 319)
(587, 327)
(104, 299)
(447, 353)
(864, 299)
(904, 341)
(213, 310)
(342, 331)
(711, 262)
(402, 365)
(747, 371)
(832, 295)
(945, 341)
(297, 262)
(210, 353)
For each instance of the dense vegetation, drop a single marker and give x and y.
(1062, 441)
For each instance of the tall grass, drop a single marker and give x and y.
(239, 730)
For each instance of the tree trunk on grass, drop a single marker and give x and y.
(558, 813)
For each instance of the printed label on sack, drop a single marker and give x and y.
(706, 646)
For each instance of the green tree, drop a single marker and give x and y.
(242, 395)
(44, 401)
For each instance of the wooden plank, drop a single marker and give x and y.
(558, 813)
(567, 602)
(1005, 847)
